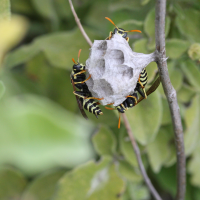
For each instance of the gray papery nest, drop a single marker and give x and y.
(114, 69)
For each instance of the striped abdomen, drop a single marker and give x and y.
(129, 102)
(143, 77)
(122, 107)
(91, 106)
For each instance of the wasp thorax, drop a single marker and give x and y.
(78, 67)
(114, 69)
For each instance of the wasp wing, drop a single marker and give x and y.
(79, 102)
(151, 89)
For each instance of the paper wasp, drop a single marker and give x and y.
(131, 100)
(119, 31)
(142, 80)
(84, 97)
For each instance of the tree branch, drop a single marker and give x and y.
(171, 96)
(127, 125)
(79, 24)
(139, 159)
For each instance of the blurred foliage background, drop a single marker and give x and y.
(47, 150)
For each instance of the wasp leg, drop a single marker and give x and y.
(83, 71)
(127, 39)
(93, 98)
(109, 108)
(133, 98)
(110, 35)
(110, 104)
(124, 107)
(80, 94)
(84, 80)
(119, 122)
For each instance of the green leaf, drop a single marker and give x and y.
(192, 73)
(2, 89)
(185, 93)
(189, 24)
(149, 28)
(144, 2)
(5, 13)
(12, 183)
(145, 118)
(46, 9)
(34, 131)
(194, 51)
(21, 55)
(11, 32)
(171, 146)
(176, 47)
(138, 191)
(158, 150)
(192, 119)
(120, 5)
(166, 117)
(109, 118)
(96, 16)
(43, 187)
(140, 46)
(22, 6)
(176, 78)
(193, 169)
(53, 82)
(169, 177)
(104, 141)
(58, 48)
(127, 148)
(129, 172)
(91, 181)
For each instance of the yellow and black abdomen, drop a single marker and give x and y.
(142, 81)
(143, 77)
(91, 106)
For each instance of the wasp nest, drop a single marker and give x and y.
(114, 69)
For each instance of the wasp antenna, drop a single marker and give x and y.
(119, 121)
(74, 61)
(79, 54)
(111, 22)
(134, 31)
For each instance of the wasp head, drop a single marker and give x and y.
(78, 67)
(120, 31)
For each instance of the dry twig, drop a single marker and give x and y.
(79, 24)
(138, 156)
(171, 96)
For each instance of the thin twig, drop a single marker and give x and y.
(79, 24)
(171, 96)
(138, 156)
(127, 125)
